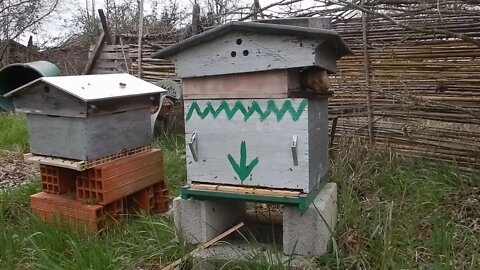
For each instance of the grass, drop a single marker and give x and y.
(142, 242)
(13, 131)
(394, 213)
(400, 213)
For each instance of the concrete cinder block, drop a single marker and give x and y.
(307, 233)
(200, 221)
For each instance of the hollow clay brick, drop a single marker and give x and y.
(153, 199)
(57, 180)
(50, 206)
(118, 179)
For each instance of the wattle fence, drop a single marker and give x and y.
(422, 91)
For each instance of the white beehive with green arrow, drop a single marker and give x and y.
(249, 121)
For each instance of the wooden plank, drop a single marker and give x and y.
(102, 64)
(268, 84)
(103, 20)
(82, 165)
(111, 56)
(206, 245)
(58, 162)
(94, 55)
(246, 190)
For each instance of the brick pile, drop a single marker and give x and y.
(93, 197)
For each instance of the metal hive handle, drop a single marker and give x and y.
(294, 150)
(192, 144)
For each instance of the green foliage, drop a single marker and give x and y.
(402, 213)
(394, 213)
(173, 145)
(13, 132)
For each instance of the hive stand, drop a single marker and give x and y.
(127, 183)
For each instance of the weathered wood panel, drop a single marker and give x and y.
(117, 132)
(254, 53)
(318, 139)
(50, 101)
(57, 136)
(89, 138)
(249, 142)
(268, 84)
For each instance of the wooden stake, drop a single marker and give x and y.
(103, 20)
(95, 53)
(124, 56)
(140, 37)
(206, 245)
(367, 76)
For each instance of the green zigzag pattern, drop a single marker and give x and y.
(255, 108)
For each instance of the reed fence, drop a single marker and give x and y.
(421, 90)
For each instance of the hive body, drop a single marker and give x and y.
(264, 130)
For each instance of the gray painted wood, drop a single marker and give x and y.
(318, 139)
(89, 138)
(113, 133)
(46, 100)
(57, 136)
(259, 28)
(265, 52)
(268, 140)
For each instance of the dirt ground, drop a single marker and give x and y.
(14, 172)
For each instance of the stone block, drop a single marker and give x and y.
(309, 233)
(200, 221)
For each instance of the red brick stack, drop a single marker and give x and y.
(102, 193)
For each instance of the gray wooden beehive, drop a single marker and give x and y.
(245, 121)
(87, 117)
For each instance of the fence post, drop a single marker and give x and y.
(367, 76)
(140, 37)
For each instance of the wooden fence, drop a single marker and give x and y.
(123, 58)
(424, 89)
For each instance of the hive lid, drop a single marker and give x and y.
(95, 87)
(263, 28)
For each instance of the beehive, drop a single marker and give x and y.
(247, 120)
(87, 117)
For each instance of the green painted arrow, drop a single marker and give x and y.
(243, 170)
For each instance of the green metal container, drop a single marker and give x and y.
(18, 74)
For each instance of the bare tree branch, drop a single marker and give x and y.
(407, 26)
(279, 3)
